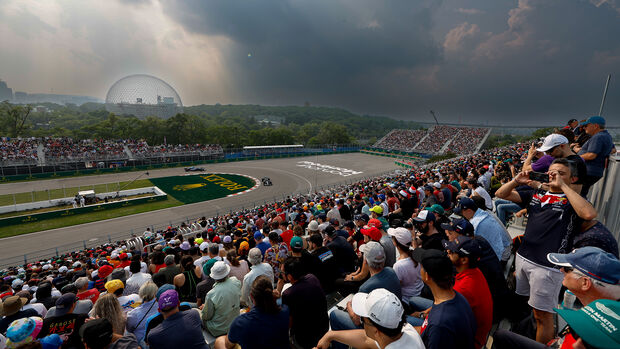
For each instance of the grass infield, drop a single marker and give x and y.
(203, 187)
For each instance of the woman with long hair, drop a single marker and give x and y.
(264, 317)
(238, 268)
(157, 261)
(186, 281)
(108, 307)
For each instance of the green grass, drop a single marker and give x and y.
(208, 186)
(44, 195)
(87, 217)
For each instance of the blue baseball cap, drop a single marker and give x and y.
(591, 261)
(465, 203)
(464, 246)
(594, 120)
(460, 226)
(258, 235)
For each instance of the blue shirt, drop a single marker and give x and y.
(386, 278)
(450, 324)
(180, 330)
(263, 246)
(492, 230)
(136, 318)
(601, 144)
(259, 330)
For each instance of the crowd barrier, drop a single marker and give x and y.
(605, 197)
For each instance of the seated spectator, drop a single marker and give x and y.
(380, 277)
(43, 294)
(108, 307)
(81, 306)
(214, 256)
(38, 307)
(136, 318)
(11, 309)
(222, 302)
(307, 304)
(258, 268)
(591, 274)
(342, 250)
(186, 282)
(84, 293)
(238, 267)
(464, 252)
(486, 226)
(381, 314)
(265, 317)
(116, 287)
(98, 333)
(450, 322)
(262, 245)
(328, 270)
(180, 329)
(407, 270)
(430, 237)
(594, 233)
(137, 278)
(170, 270)
(65, 323)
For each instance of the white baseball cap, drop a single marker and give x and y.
(552, 140)
(63, 269)
(204, 246)
(402, 235)
(380, 305)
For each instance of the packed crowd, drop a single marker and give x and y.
(69, 149)
(420, 257)
(400, 140)
(18, 150)
(467, 140)
(436, 138)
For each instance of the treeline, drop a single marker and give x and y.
(495, 141)
(228, 125)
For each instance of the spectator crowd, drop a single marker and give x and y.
(400, 140)
(462, 140)
(18, 150)
(416, 260)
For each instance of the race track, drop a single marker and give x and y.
(286, 174)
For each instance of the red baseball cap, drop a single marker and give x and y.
(372, 232)
(375, 223)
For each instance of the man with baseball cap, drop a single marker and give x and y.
(429, 235)
(558, 146)
(591, 274)
(450, 323)
(65, 323)
(380, 277)
(464, 253)
(180, 329)
(381, 314)
(487, 226)
(595, 151)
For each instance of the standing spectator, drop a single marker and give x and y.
(554, 217)
(464, 253)
(222, 302)
(257, 269)
(595, 151)
(306, 302)
(265, 326)
(180, 329)
(276, 254)
(450, 323)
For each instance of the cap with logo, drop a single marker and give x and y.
(591, 261)
(464, 246)
(168, 300)
(380, 305)
(598, 323)
(464, 204)
(425, 216)
(297, 243)
(460, 226)
(551, 141)
(437, 208)
(599, 120)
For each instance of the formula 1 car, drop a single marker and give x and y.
(266, 181)
(194, 169)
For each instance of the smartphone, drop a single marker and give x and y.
(539, 176)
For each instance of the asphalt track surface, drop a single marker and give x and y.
(287, 177)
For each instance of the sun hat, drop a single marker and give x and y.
(185, 246)
(402, 235)
(219, 270)
(380, 305)
(22, 331)
(12, 305)
(598, 323)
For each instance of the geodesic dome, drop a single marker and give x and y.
(143, 95)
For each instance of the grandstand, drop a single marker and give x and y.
(436, 140)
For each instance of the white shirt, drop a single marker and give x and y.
(248, 280)
(38, 307)
(409, 340)
(409, 276)
(201, 261)
(488, 202)
(143, 268)
(136, 281)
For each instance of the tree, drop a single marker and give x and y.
(14, 118)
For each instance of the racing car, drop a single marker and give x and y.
(194, 169)
(266, 181)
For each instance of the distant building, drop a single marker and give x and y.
(143, 95)
(6, 93)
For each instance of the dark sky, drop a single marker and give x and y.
(502, 62)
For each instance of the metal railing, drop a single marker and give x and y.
(605, 196)
(138, 230)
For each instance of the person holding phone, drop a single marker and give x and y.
(555, 216)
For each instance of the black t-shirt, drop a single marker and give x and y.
(582, 171)
(67, 327)
(343, 253)
(450, 324)
(310, 264)
(308, 308)
(345, 213)
(433, 241)
(407, 206)
(328, 268)
(551, 220)
(203, 287)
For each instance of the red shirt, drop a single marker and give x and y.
(92, 294)
(472, 284)
(286, 237)
(392, 203)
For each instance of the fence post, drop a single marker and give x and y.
(56, 251)
(84, 242)
(32, 195)
(25, 259)
(109, 239)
